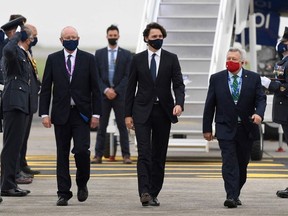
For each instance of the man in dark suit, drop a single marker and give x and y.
(19, 82)
(113, 65)
(279, 86)
(236, 98)
(152, 109)
(70, 75)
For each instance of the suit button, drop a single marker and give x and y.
(280, 102)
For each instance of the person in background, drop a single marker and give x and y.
(18, 84)
(236, 98)
(113, 65)
(70, 76)
(23, 164)
(279, 86)
(152, 109)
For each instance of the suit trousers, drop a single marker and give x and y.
(15, 124)
(118, 108)
(152, 151)
(79, 130)
(235, 158)
(22, 158)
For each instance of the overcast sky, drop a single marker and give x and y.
(90, 17)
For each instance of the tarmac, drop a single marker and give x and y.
(119, 196)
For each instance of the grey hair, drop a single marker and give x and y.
(28, 31)
(239, 50)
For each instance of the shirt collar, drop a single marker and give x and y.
(158, 52)
(239, 74)
(116, 48)
(73, 53)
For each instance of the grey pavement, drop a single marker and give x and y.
(118, 196)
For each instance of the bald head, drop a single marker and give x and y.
(69, 33)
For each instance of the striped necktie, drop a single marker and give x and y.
(235, 88)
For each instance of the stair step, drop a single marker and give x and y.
(188, 23)
(190, 37)
(188, 50)
(194, 64)
(188, 145)
(186, 9)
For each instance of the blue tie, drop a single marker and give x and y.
(111, 67)
(153, 67)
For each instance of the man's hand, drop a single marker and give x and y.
(94, 122)
(177, 110)
(208, 136)
(256, 119)
(46, 121)
(111, 94)
(265, 82)
(129, 123)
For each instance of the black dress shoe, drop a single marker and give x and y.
(62, 201)
(28, 170)
(82, 194)
(145, 198)
(154, 202)
(282, 193)
(16, 192)
(238, 201)
(1, 199)
(230, 203)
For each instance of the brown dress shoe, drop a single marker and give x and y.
(145, 199)
(96, 160)
(127, 160)
(24, 180)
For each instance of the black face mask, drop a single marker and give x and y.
(70, 45)
(34, 42)
(112, 41)
(156, 44)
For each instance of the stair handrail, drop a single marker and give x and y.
(150, 14)
(223, 35)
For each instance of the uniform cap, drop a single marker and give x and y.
(13, 23)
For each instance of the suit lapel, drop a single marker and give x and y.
(62, 63)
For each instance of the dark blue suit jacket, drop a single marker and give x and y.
(252, 100)
(121, 74)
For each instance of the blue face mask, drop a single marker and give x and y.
(281, 47)
(156, 44)
(70, 45)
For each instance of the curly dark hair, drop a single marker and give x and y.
(154, 25)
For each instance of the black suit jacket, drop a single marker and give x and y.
(83, 88)
(121, 74)
(280, 99)
(219, 99)
(139, 106)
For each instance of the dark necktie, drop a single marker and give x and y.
(69, 64)
(235, 88)
(153, 67)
